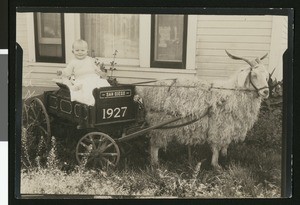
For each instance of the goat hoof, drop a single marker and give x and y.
(216, 167)
(154, 166)
(223, 161)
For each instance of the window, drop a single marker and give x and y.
(49, 37)
(106, 33)
(168, 41)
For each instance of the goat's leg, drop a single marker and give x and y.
(154, 154)
(223, 158)
(224, 151)
(215, 157)
(190, 159)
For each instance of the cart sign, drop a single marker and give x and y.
(115, 94)
(114, 104)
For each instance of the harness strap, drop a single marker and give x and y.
(255, 87)
(174, 81)
(180, 125)
(186, 123)
(151, 81)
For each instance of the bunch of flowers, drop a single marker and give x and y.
(110, 78)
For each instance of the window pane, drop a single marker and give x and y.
(51, 25)
(108, 32)
(168, 38)
(49, 35)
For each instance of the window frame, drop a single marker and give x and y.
(167, 64)
(37, 35)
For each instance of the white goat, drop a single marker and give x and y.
(225, 111)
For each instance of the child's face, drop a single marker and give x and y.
(80, 51)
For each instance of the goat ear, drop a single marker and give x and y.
(242, 78)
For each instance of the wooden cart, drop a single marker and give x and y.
(116, 108)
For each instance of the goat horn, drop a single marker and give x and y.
(264, 56)
(239, 58)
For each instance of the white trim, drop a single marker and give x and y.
(30, 37)
(77, 26)
(118, 67)
(42, 64)
(70, 34)
(158, 70)
(191, 42)
(277, 47)
(274, 45)
(3, 51)
(145, 40)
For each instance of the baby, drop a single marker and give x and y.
(82, 75)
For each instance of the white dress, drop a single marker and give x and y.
(86, 80)
(86, 84)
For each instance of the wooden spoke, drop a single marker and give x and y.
(108, 162)
(32, 109)
(84, 145)
(110, 154)
(102, 146)
(92, 140)
(90, 158)
(42, 129)
(107, 146)
(84, 154)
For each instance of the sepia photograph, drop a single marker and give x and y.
(129, 105)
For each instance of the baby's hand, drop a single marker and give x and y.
(78, 87)
(59, 73)
(75, 87)
(101, 74)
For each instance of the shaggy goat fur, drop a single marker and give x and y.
(225, 115)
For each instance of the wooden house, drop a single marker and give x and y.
(149, 46)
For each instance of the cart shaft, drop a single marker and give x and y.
(144, 131)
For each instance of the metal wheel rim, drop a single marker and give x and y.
(98, 150)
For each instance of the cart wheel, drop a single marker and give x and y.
(38, 123)
(97, 150)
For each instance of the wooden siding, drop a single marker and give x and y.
(278, 45)
(22, 40)
(248, 36)
(21, 37)
(41, 74)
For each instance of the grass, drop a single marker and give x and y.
(253, 168)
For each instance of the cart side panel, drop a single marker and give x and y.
(59, 104)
